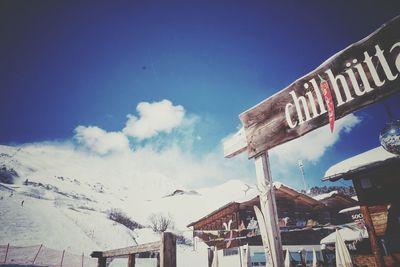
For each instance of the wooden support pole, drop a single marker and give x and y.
(5, 258)
(210, 256)
(33, 262)
(131, 260)
(101, 262)
(269, 210)
(62, 258)
(83, 257)
(372, 237)
(168, 250)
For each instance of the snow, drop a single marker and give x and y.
(278, 185)
(372, 156)
(325, 196)
(67, 195)
(41, 221)
(142, 262)
(350, 209)
(42, 256)
(146, 235)
(185, 256)
(347, 235)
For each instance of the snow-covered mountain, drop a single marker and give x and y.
(61, 197)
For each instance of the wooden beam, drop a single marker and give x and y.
(127, 251)
(235, 145)
(102, 262)
(168, 250)
(215, 215)
(131, 260)
(96, 254)
(372, 237)
(269, 210)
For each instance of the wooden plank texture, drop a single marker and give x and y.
(168, 250)
(131, 260)
(361, 74)
(269, 210)
(131, 250)
(379, 216)
(220, 213)
(372, 237)
(101, 262)
(235, 145)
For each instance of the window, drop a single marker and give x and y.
(230, 252)
(258, 259)
(263, 264)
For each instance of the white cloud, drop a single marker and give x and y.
(99, 141)
(169, 161)
(169, 156)
(196, 171)
(312, 146)
(154, 118)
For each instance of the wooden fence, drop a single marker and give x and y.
(166, 247)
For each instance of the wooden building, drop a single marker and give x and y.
(301, 220)
(375, 175)
(334, 202)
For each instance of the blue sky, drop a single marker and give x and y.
(69, 64)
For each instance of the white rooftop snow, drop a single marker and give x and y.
(325, 196)
(350, 209)
(372, 156)
(347, 235)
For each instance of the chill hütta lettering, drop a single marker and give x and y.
(334, 90)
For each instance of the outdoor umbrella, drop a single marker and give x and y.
(343, 258)
(215, 259)
(246, 257)
(287, 259)
(314, 258)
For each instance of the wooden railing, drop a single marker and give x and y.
(166, 247)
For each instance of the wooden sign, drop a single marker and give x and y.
(362, 74)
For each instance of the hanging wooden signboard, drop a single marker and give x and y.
(363, 73)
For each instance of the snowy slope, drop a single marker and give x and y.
(41, 221)
(67, 194)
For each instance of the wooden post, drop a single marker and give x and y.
(101, 262)
(168, 250)
(5, 258)
(269, 210)
(210, 256)
(33, 262)
(372, 237)
(131, 260)
(62, 258)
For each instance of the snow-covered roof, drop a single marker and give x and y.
(347, 235)
(325, 196)
(364, 161)
(253, 193)
(350, 209)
